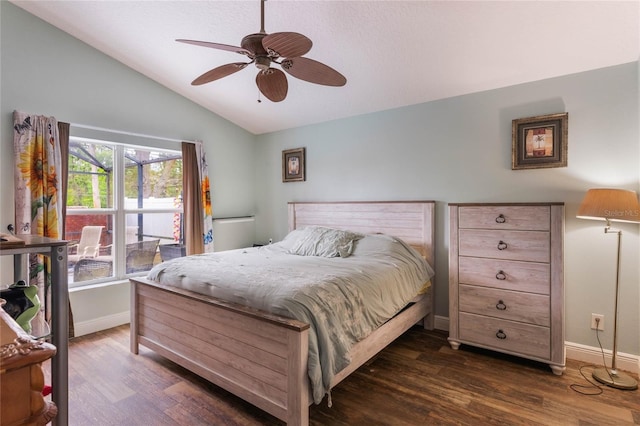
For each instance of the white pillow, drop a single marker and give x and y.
(324, 242)
(375, 244)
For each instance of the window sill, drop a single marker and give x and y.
(97, 285)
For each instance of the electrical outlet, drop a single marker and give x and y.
(597, 322)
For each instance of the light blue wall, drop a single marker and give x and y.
(459, 150)
(46, 71)
(453, 150)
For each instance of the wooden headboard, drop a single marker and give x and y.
(412, 221)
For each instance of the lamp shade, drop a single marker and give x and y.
(619, 205)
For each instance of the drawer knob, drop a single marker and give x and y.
(501, 218)
(501, 335)
(502, 245)
(501, 276)
(501, 306)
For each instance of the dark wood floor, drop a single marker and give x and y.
(418, 380)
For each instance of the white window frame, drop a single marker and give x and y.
(119, 212)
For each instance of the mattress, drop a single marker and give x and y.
(342, 294)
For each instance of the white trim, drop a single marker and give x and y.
(235, 220)
(101, 323)
(122, 132)
(441, 323)
(593, 355)
(98, 285)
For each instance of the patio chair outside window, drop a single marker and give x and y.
(91, 269)
(88, 246)
(141, 255)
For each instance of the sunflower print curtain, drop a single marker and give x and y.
(38, 208)
(206, 199)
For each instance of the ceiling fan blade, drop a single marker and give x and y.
(273, 84)
(286, 45)
(219, 72)
(313, 71)
(217, 46)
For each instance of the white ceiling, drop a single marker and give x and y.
(393, 53)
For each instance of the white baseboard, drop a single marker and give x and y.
(592, 355)
(102, 323)
(578, 352)
(441, 323)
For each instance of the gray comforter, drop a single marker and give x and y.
(343, 299)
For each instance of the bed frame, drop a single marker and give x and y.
(261, 357)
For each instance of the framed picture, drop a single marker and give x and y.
(539, 142)
(293, 165)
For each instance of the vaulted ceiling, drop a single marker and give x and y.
(393, 53)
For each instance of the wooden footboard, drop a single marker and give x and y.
(261, 358)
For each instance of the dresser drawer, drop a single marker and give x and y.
(532, 218)
(506, 274)
(508, 336)
(531, 246)
(511, 305)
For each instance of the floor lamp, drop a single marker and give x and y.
(622, 206)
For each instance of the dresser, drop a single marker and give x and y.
(21, 377)
(506, 279)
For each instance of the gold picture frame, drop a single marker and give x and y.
(293, 165)
(539, 142)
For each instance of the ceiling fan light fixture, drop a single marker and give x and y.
(263, 62)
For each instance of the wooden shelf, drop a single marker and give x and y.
(56, 250)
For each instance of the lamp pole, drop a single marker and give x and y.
(612, 377)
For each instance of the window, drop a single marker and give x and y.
(124, 209)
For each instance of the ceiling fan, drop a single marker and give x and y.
(264, 50)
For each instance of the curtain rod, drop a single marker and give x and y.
(122, 132)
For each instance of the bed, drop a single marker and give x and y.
(192, 329)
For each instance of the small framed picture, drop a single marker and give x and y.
(539, 142)
(293, 165)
